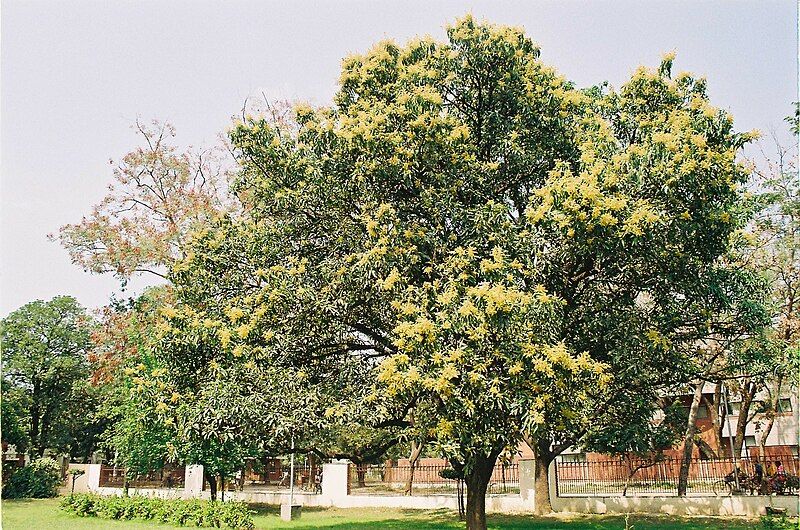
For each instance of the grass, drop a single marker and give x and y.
(45, 515)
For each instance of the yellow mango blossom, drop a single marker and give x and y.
(234, 313)
(224, 337)
(698, 141)
(515, 368)
(468, 309)
(446, 297)
(389, 282)
(540, 293)
(449, 372)
(243, 331)
(607, 220)
(542, 366)
(372, 227)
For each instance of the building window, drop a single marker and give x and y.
(750, 441)
(702, 412)
(784, 405)
(577, 457)
(734, 408)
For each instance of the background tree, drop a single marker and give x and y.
(776, 251)
(45, 347)
(159, 195)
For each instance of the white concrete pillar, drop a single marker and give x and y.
(93, 477)
(193, 481)
(335, 481)
(527, 484)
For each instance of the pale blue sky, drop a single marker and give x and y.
(75, 74)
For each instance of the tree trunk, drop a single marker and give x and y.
(717, 413)
(543, 456)
(541, 482)
(688, 440)
(416, 451)
(477, 481)
(212, 484)
(34, 432)
(748, 392)
(762, 441)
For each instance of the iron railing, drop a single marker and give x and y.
(631, 477)
(114, 477)
(377, 479)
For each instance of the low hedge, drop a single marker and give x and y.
(179, 512)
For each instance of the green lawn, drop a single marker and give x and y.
(45, 515)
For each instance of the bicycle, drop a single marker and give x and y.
(728, 485)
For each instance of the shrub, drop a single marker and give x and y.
(39, 480)
(204, 514)
(777, 522)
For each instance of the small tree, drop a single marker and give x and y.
(777, 231)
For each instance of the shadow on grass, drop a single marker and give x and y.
(340, 519)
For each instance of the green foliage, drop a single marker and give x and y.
(13, 412)
(776, 522)
(636, 434)
(122, 358)
(197, 513)
(45, 369)
(39, 480)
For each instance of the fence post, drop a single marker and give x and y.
(193, 481)
(93, 477)
(335, 481)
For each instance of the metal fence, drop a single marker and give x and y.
(639, 477)
(379, 479)
(274, 475)
(114, 477)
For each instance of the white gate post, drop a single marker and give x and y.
(527, 484)
(335, 482)
(193, 481)
(93, 477)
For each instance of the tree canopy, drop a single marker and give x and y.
(466, 234)
(45, 374)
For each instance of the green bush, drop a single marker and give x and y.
(178, 512)
(777, 522)
(38, 480)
